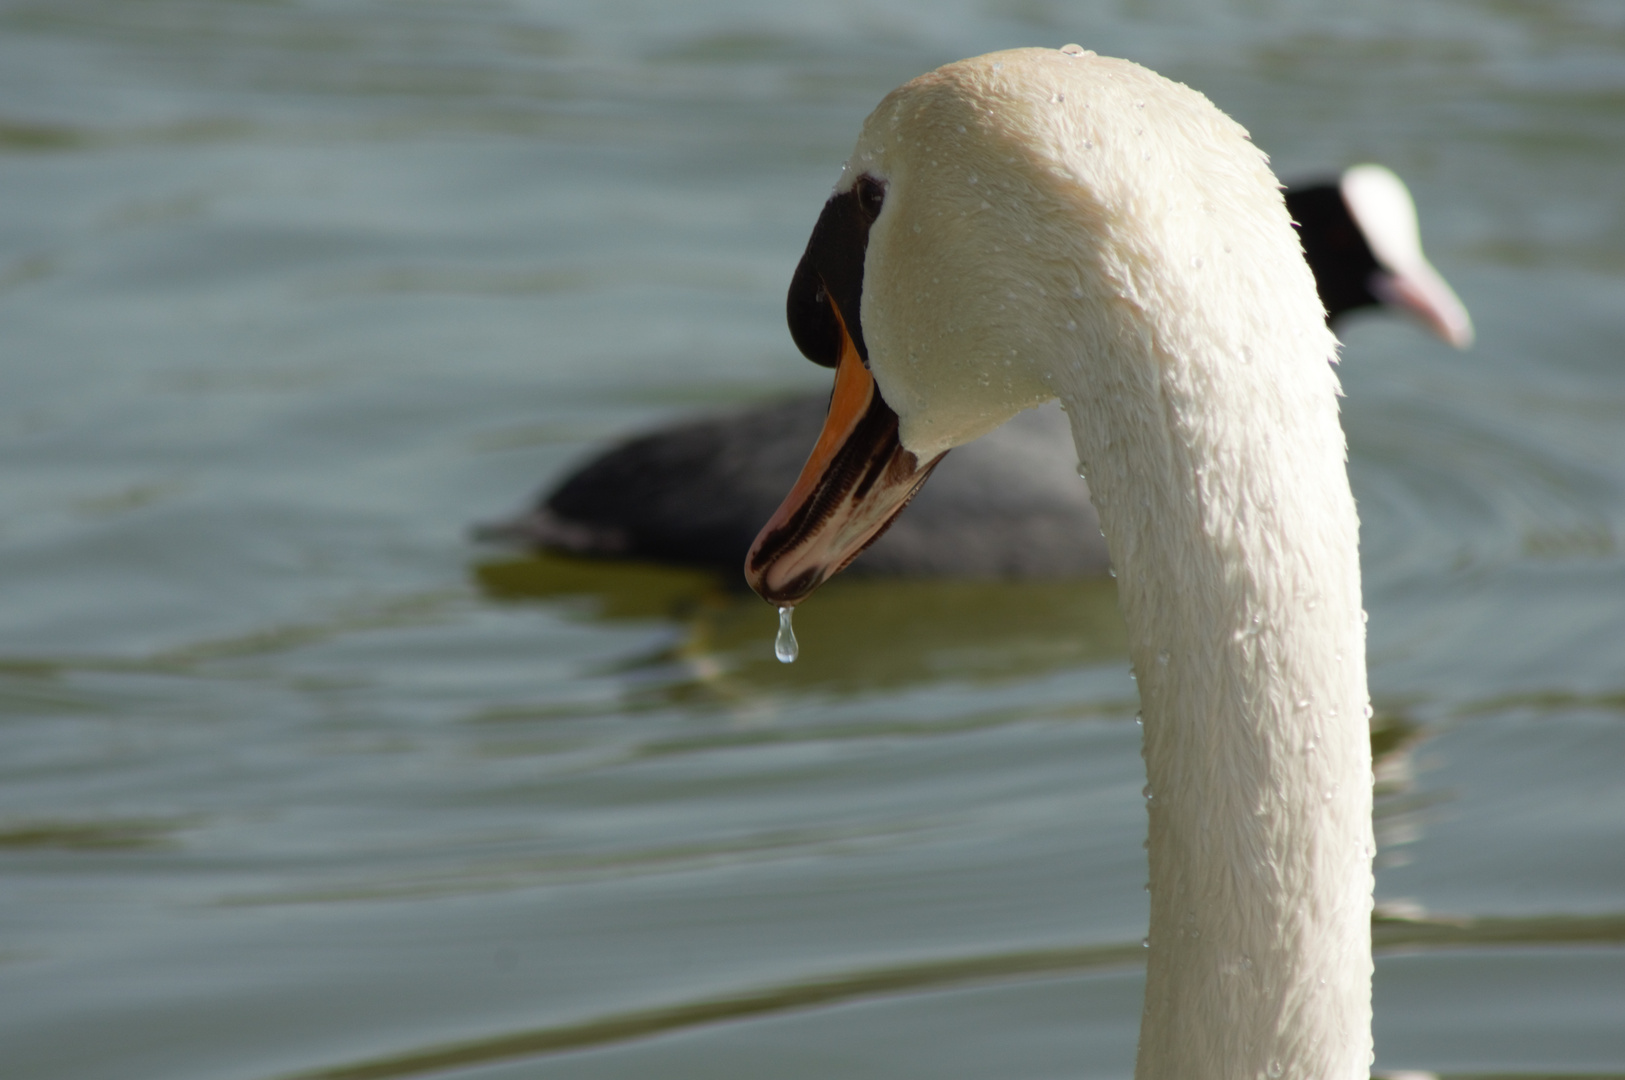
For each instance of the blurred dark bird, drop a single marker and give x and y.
(1004, 506)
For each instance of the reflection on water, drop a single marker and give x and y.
(1389, 935)
(88, 835)
(859, 635)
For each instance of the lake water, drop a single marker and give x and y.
(298, 782)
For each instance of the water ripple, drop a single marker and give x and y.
(1389, 936)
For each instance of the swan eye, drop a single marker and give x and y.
(871, 194)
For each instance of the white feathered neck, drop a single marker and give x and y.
(1057, 224)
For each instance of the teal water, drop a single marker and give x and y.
(296, 781)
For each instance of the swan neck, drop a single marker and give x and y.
(1240, 589)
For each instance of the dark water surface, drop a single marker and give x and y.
(296, 781)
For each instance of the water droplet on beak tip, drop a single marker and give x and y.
(785, 646)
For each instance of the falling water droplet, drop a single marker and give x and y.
(785, 646)
(1369, 711)
(1146, 791)
(1275, 1069)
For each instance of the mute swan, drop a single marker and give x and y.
(1005, 506)
(1040, 224)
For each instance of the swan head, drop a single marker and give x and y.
(1009, 229)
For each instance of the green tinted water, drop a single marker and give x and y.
(298, 782)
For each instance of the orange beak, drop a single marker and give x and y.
(857, 480)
